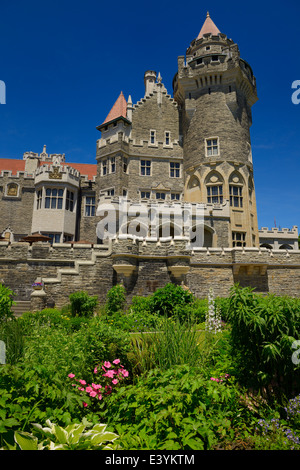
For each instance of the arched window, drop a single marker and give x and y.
(214, 188)
(236, 183)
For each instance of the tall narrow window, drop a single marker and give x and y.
(215, 194)
(145, 167)
(174, 170)
(39, 196)
(152, 137)
(90, 206)
(104, 167)
(212, 147)
(167, 138)
(54, 198)
(70, 201)
(125, 164)
(113, 164)
(236, 198)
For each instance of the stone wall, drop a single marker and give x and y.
(143, 266)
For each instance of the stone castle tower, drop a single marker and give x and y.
(215, 90)
(193, 148)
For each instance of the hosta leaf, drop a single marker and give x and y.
(103, 437)
(61, 434)
(26, 441)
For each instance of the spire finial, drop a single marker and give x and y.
(207, 15)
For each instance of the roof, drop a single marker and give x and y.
(11, 164)
(14, 165)
(208, 27)
(118, 110)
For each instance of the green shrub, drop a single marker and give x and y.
(165, 300)
(263, 330)
(82, 304)
(177, 409)
(115, 299)
(6, 303)
(13, 335)
(101, 342)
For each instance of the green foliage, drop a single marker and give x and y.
(115, 299)
(263, 330)
(74, 437)
(13, 336)
(175, 343)
(165, 300)
(82, 304)
(102, 342)
(6, 303)
(176, 409)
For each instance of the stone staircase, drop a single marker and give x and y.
(21, 307)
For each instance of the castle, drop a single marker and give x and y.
(190, 149)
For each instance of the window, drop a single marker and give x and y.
(125, 164)
(39, 196)
(215, 58)
(110, 192)
(54, 198)
(124, 192)
(145, 167)
(55, 237)
(167, 138)
(175, 196)
(68, 238)
(161, 196)
(199, 61)
(104, 167)
(70, 201)
(215, 194)
(212, 147)
(145, 194)
(174, 170)
(113, 164)
(207, 48)
(238, 239)
(152, 137)
(90, 206)
(236, 198)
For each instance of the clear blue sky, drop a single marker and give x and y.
(65, 62)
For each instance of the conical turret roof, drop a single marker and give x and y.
(208, 27)
(118, 110)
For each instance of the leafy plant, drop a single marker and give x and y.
(165, 300)
(115, 299)
(6, 303)
(74, 437)
(82, 304)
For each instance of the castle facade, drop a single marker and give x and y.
(193, 148)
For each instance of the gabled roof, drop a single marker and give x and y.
(119, 110)
(208, 27)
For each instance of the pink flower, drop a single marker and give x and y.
(96, 386)
(109, 373)
(115, 381)
(100, 397)
(95, 370)
(85, 404)
(125, 373)
(107, 364)
(82, 382)
(71, 376)
(88, 389)
(116, 361)
(93, 394)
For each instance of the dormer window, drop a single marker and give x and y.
(214, 58)
(199, 61)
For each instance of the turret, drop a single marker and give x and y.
(215, 90)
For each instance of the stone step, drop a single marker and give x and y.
(21, 307)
